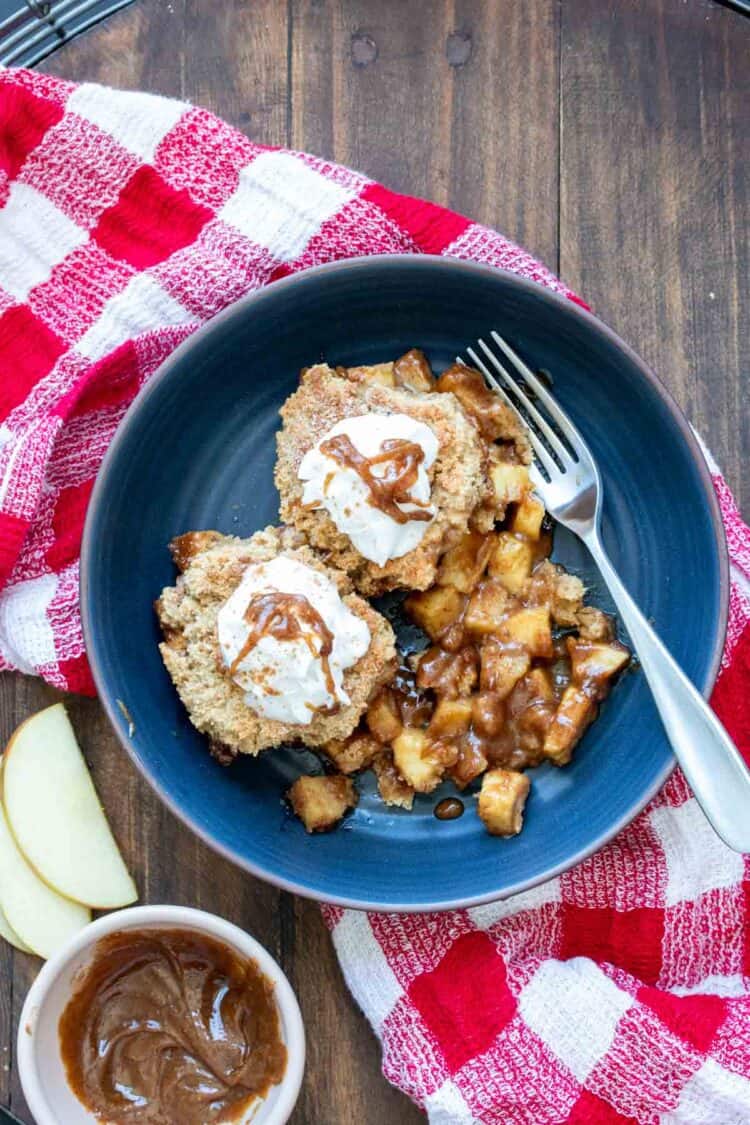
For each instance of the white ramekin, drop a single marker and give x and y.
(40, 1065)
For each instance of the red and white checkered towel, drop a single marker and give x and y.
(615, 993)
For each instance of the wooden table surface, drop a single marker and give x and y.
(610, 137)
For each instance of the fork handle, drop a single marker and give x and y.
(708, 757)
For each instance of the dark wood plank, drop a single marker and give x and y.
(344, 1082)
(183, 49)
(19, 697)
(456, 102)
(656, 197)
(505, 132)
(139, 48)
(230, 57)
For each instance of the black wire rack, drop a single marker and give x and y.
(31, 29)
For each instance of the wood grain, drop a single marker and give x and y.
(655, 207)
(228, 56)
(610, 138)
(453, 101)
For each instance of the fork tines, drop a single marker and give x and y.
(553, 438)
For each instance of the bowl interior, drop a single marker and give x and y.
(52, 1099)
(197, 451)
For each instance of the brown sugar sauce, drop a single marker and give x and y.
(502, 727)
(450, 808)
(508, 688)
(399, 461)
(170, 1027)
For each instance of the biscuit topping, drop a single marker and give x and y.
(286, 639)
(371, 475)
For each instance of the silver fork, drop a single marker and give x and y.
(567, 480)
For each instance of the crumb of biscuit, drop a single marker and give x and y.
(354, 753)
(184, 547)
(216, 705)
(391, 785)
(459, 477)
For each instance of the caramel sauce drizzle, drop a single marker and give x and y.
(401, 460)
(450, 808)
(288, 617)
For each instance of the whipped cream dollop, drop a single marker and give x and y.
(273, 633)
(348, 499)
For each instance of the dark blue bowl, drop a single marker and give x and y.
(197, 449)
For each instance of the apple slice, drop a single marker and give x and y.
(10, 935)
(55, 816)
(42, 918)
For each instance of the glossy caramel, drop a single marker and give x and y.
(450, 808)
(288, 617)
(399, 462)
(170, 1027)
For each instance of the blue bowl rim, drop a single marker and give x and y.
(257, 297)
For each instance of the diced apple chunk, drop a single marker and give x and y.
(487, 713)
(391, 786)
(451, 717)
(566, 603)
(531, 629)
(492, 416)
(383, 717)
(552, 586)
(533, 705)
(413, 370)
(527, 519)
(501, 667)
(487, 607)
(511, 561)
(501, 801)
(420, 761)
(450, 674)
(471, 762)
(575, 711)
(594, 624)
(595, 663)
(539, 685)
(454, 637)
(353, 753)
(320, 802)
(510, 483)
(463, 565)
(435, 609)
(381, 373)
(407, 756)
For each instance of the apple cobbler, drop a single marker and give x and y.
(393, 479)
(265, 644)
(515, 663)
(378, 473)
